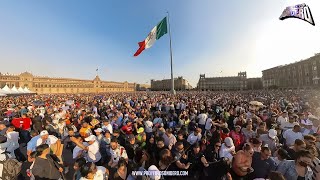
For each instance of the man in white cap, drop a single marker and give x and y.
(99, 135)
(93, 153)
(227, 149)
(45, 138)
(270, 139)
(53, 142)
(308, 128)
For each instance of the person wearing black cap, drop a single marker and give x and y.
(272, 121)
(116, 134)
(131, 146)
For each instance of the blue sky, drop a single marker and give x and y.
(72, 38)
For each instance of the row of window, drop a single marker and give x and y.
(77, 90)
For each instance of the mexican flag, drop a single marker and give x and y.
(156, 33)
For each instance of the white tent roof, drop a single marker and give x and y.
(2, 95)
(3, 92)
(7, 90)
(27, 90)
(21, 90)
(15, 90)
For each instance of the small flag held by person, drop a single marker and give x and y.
(156, 33)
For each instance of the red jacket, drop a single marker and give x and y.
(238, 139)
(22, 123)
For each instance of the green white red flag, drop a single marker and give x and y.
(156, 33)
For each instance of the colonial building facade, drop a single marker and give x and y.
(232, 83)
(299, 75)
(180, 84)
(48, 85)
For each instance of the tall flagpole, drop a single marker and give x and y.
(172, 80)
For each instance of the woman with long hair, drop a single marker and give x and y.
(46, 166)
(122, 172)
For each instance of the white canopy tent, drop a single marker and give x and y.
(3, 91)
(21, 90)
(1, 95)
(7, 90)
(27, 90)
(15, 90)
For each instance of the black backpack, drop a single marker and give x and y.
(11, 168)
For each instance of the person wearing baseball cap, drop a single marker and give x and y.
(270, 139)
(107, 126)
(283, 118)
(141, 137)
(99, 135)
(45, 138)
(93, 153)
(53, 142)
(227, 149)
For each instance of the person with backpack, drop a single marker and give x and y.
(46, 166)
(10, 167)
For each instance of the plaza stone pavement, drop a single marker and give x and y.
(67, 156)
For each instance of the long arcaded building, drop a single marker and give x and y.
(49, 85)
(304, 74)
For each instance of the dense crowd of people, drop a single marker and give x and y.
(202, 135)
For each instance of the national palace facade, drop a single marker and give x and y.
(304, 74)
(48, 85)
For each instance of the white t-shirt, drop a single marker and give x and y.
(282, 120)
(192, 139)
(291, 136)
(51, 140)
(108, 127)
(226, 152)
(99, 175)
(202, 118)
(117, 154)
(148, 126)
(208, 124)
(93, 154)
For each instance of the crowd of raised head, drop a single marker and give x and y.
(203, 135)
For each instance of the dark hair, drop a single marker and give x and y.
(122, 162)
(179, 143)
(247, 147)
(283, 153)
(303, 153)
(160, 139)
(87, 168)
(47, 118)
(70, 128)
(299, 142)
(114, 140)
(41, 148)
(274, 175)
(33, 154)
(263, 149)
(309, 137)
(81, 162)
(166, 157)
(33, 133)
